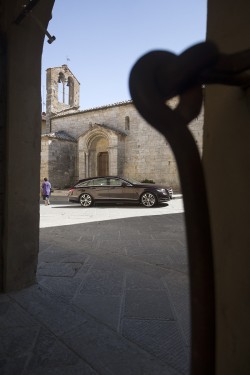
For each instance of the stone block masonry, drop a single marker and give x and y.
(133, 148)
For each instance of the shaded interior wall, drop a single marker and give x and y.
(227, 166)
(3, 124)
(20, 149)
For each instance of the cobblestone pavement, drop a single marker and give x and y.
(111, 296)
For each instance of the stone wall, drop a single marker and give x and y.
(58, 161)
(43, 125)
(44, 165)
(63, 91)
(145, 154)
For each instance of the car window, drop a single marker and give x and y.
(100, 182)
(115, 182)
(81, 184)
(90, 183)
(128, 183)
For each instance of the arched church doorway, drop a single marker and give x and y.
(101, 150)
(103, 164)
(99, 156)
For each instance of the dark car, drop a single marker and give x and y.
(117, 190)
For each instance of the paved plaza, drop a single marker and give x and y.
(111, 296)
(61, 212)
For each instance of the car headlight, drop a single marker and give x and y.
(163, 191)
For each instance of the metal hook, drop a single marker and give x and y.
(51, 38)
(203, 64)
(156, 77)
(27, 10)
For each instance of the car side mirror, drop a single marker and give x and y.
(124, 184)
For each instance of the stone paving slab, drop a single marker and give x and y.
(113, 354)
(105, 308)
(178, 288)
(135, 280)
(160, 338)
(147, 304)
(63, 269)
(27, 347)
(112, 298)
(60, 286)
(48, 309)
(51, 356)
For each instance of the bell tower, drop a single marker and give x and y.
(63, 91)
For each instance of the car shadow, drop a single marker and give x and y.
(107, 205)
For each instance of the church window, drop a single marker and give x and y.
(61, 88)
(70, 85)
(127, 123)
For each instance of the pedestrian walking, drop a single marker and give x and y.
(46, 188)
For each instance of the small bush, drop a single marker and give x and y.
(146, 181)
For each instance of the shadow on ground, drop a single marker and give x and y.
(112, 298)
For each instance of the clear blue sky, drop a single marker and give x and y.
(100, 40)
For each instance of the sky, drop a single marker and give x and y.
(100, 40)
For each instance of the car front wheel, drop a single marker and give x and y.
(148, 199)
(86, 200)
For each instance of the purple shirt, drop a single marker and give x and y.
(46, 186)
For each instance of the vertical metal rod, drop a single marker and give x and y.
(40, 25)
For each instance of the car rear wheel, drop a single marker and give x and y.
(148, 199)
(86, 200)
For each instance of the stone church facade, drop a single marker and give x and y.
(108, 140)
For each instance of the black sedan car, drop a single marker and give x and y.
(114, 189)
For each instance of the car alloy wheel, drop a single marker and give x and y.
(148, 199)
(86, 200)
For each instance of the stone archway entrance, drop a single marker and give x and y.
(100, 152)
(103, 164)
(98, 163)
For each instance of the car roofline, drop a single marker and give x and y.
(94, 178)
